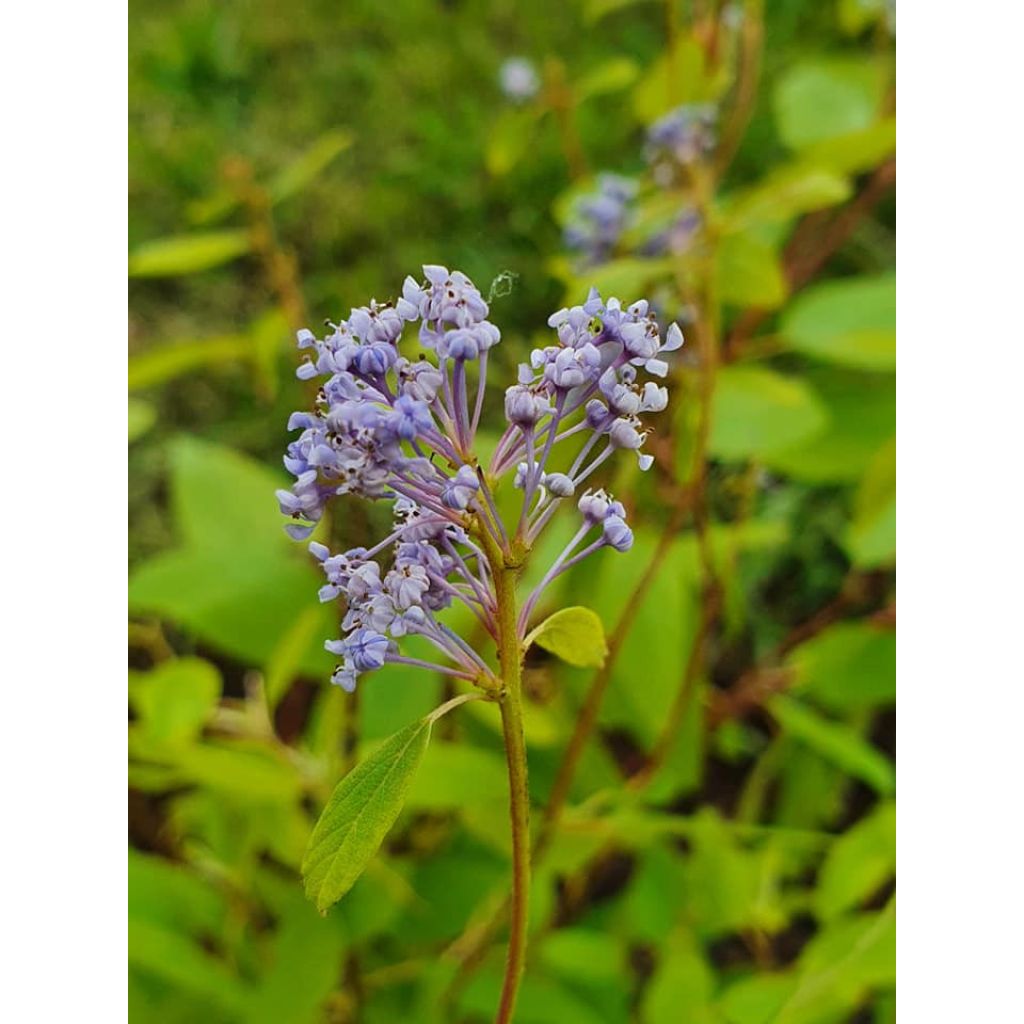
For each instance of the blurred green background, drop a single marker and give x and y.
(728, 848)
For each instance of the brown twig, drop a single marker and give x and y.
(770, 677)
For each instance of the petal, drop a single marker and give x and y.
(673, 338)
(656, 366)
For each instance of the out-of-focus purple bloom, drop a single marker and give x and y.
(519, 79)
(681, 137)
(599, 218)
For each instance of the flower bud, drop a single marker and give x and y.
(560, 485)
(617, 533)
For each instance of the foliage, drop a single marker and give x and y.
(726, 848)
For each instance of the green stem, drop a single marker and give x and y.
(510, 658)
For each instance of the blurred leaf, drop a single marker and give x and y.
(456, 774)
(174, 958)
(398, 695)
(862, 416)
(289, 180)
(176, 698)
(682, 985)
(783, 194)
(360, 813)
(758, 412)
(241, 769)
(821, 99)
(303, 967)
(239, 581)
(626, 279)
(511, 135)
(165, 362)
(757, 999)
(857, 15)
(856, 151)
(542, 1000)
(172, 896)
(749, 273)
(649, 916)
(202, 474)
(584, 955)
(721, 879)
(836, 742)
(861, 860)
(594, 10)
(850, 666)
(141, 417)
(187, 254)
(242, 599)
(872, 537)
(840, 965)
(285, 661)
(679, 76)
(576, 635)
(609, 76)
(852, 322)
(302, 171)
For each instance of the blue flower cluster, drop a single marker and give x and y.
(599, 218)
(680, 138)
(389, 427)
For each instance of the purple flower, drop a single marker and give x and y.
(384, 427)
(460, 490)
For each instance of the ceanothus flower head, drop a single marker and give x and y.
(384, 427)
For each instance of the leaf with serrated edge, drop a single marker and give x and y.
(575, 635)
(359, 814)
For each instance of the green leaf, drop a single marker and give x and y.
(749, 272)
(359, 814)
(609, 76)
(141, 417)
(285, 662)
(860, 861)
(682, 984)
(575, 635)
(165, 362)
(241, 599)
(511, 136)
(835, 742)
(176, 698)
(862, 417)
(783, 194)
(594, 10)
(822, 99)
(757, 999)
(758, 412)
(202, 475)
(580, 954)
(175, 959)
(458, 775)
(872, 537)
(187, 254)
(678, 76)
(298, 174)
(849, 667)
(239, 581)
(840, 966)
(626, 278)
(852, 322)
(856, 151)
(303, 966)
